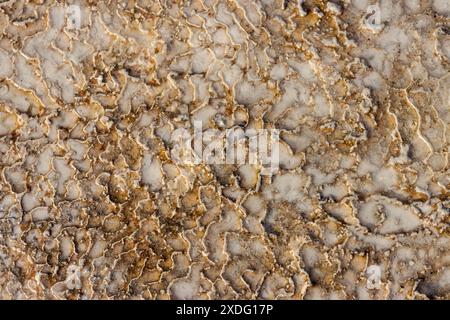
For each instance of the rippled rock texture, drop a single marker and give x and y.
(93, 205)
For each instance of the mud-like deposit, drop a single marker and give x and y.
(93, 205)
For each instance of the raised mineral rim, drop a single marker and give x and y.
(93, 204)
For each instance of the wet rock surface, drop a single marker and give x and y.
(93, 204)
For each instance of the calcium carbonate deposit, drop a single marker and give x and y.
(98, 200)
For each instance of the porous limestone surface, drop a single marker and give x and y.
(93, 205)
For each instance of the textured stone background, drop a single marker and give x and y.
(92, 206)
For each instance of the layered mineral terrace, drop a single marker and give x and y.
(93, 205)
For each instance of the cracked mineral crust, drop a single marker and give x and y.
(93, 204)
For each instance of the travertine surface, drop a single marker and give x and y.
(92, 205)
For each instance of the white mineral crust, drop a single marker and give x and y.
(93, 204)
